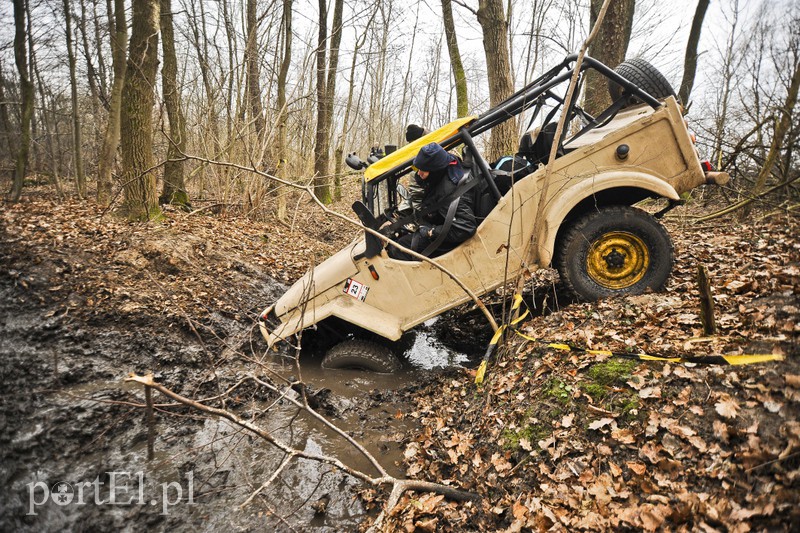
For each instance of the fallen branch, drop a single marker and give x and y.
(745, 202)
(399, 486)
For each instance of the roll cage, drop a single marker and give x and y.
(381, 178)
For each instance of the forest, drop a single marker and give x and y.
(169, 167)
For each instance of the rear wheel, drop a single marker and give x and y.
(613, 251)
(359, 354)
(645, 76)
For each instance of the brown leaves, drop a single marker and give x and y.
(727, 408)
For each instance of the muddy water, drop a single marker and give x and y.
(73, 452)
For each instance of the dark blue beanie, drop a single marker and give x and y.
(432, 157)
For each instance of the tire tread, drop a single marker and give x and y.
(363, 354)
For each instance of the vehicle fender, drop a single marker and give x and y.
(344, 307)
(569, 198)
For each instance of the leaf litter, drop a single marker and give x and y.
(559, 445)
(549, 441)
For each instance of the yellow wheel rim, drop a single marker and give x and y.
(617, 260)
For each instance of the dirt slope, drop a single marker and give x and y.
(575, 441)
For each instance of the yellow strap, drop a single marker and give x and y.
(520, 318)
(497, 334)
(558, 346)
(526, 337)
(645, 357)
(746, 359)
(481, 372)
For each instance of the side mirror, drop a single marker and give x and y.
(355, 162)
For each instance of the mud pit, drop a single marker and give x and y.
(68, 417)
(73, 325)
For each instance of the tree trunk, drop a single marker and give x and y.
(50, 133)
(326, 88)
(77, 140)
(253, 83)
(283, 75)
(91, 74)
(174, 191)
(118, 30)
(782, 125)
(136, 124)
(26, 91)
(348, 108)
(690, 60)
(498, 70)
(460, 79)
(609, 47)
(5, 119)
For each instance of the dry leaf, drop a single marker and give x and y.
(650, 392)
(624, 436)
(772, 406)
(603, 422)
(727, 408)
(637, 467)
(566, 422)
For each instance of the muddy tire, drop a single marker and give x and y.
(645, 76)
(359, 354)
(613, 251)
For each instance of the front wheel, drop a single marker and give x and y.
(614, 251)
(358, 354)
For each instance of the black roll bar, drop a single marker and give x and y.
(524, 99)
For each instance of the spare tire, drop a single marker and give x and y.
(359, 354)
(643, 75)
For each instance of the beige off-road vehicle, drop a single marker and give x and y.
(638, 148)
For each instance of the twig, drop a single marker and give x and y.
(151, 432)
(264, 485)
(743, 203)
(776, 460)
(399, 486)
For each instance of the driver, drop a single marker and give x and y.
(438, 173)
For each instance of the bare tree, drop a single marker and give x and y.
(491, 17)
(326, 88)
(174, 191)
(118, 31)
(77, 136)
(136, 118)
(690, 60)
(280, 104)
(610, 48)
(26, 91)
(460, 79)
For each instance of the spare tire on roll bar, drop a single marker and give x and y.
(645, 76)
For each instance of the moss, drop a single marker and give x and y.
(595, 391)
(612, 372)
(557, 389)
(628, 405)
(533, 433)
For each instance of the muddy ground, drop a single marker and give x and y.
(547, 441)
(84, 301)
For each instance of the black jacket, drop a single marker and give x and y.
(438, 187)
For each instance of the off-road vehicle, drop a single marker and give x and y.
(638, 148)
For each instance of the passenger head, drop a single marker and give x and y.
(414, 132)
(432, 159)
